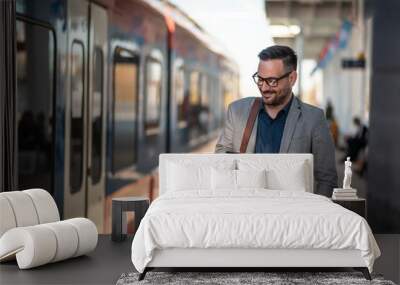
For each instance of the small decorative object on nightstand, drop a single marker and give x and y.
(139, 205)
(347, 196)
(357, 205)
(347, 192)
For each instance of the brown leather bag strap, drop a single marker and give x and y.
(250, 124)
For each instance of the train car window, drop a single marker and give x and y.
(227, 89)
(195, 105)
(153, 96)
(97, 114)
(204, 108)
(218, 111)
(35, 60)
(77, 115)
(204, 90)
(212, 104)
(182, 97)
(126, 72)
(194, 88)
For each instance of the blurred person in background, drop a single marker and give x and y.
(358, 141)
(333, 126)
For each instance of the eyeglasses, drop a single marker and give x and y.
(271, 81)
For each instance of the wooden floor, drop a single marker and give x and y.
(110, 259)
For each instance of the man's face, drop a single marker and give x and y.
(275, 96)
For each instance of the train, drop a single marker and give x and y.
(104, 87)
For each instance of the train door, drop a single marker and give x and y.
(85, 119)
(154, 93)
(98, 34)
(76, 110)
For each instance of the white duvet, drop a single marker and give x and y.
(252, 218)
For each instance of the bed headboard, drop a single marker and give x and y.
(212, 158)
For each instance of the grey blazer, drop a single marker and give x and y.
(306, 131)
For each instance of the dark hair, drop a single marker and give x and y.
(285, 53)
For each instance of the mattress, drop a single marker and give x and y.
(250, 219)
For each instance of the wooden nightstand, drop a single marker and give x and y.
(358, 205)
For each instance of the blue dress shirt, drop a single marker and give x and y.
(270, 131)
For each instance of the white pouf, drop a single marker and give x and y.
(46, 208)
(23, 208)
(7, 218)
(87, 235)
(37, 245)
(32, 233)
(67, 239)
(33, 246)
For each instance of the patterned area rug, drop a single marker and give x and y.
(225, 278)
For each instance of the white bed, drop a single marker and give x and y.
(203, 221)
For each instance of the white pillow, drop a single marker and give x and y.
(235, 179)
(183, 177)
(291, 178)
(223, 179)
(193, 174)
(281, 174)
(251, 178)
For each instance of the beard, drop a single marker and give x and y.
(275, 98)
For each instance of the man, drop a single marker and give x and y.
(284, 124)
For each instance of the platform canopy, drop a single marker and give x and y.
(317, 21)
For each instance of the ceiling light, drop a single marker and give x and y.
(284, 31)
